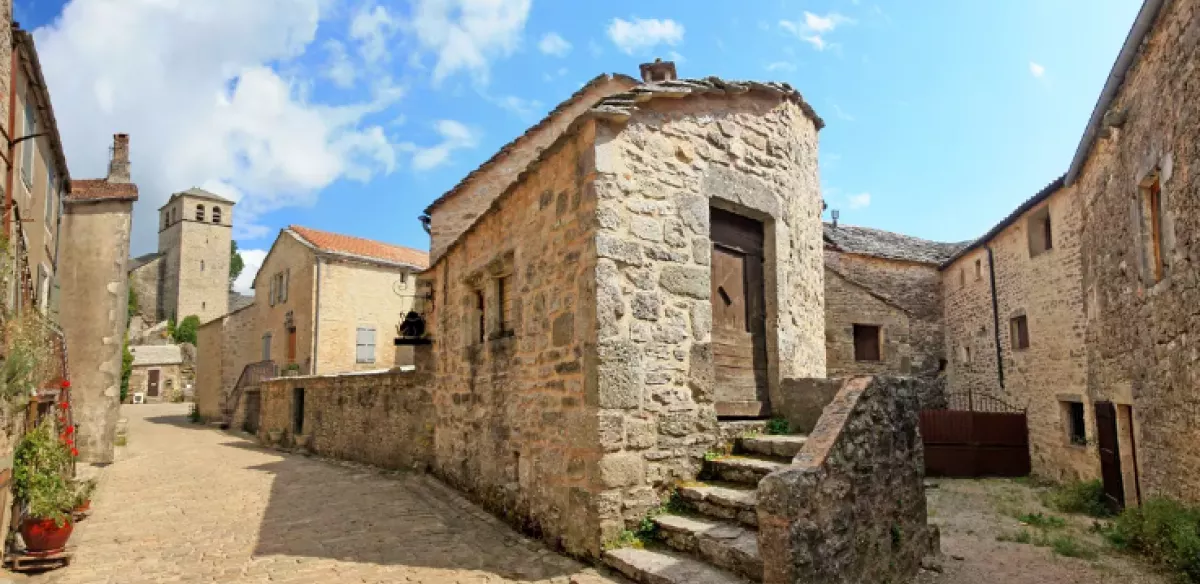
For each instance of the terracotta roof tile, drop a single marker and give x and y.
(99, 189)
(366, 248)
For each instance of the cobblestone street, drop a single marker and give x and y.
(186, 503)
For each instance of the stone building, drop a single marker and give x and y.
(883, 302)
(189, 274)
(324, 303)
(157, 373)
(653, 268)
(97, 218)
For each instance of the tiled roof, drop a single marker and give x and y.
(507, 148)
(1029, 203)
(239, 301)
(622, 105)
(361, 248)
(200, 194)
(888, 245)
(156, 354)
(135, 263)
(99, 189)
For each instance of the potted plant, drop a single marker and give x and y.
(41, 465)
(83, 497)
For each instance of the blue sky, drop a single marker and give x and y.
(352, 115)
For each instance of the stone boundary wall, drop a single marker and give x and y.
(383, 419)
(851, 507)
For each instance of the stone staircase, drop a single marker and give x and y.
(716, 542)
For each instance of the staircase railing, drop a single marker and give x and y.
(252, 375)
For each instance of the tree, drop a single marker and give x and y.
(126, 369)
(133, 303)
(185, 331)
(236, 265)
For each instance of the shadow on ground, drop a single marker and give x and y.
(320, 509)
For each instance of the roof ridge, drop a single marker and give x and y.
(358, 237)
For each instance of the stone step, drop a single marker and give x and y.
(768, 445)
(718, 542)
(655, 566)
(747, 470)
(723, 502)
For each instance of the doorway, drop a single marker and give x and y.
(152, 383)
(739, 335)
(1110, 455)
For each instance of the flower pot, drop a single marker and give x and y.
(84, 507)
(44, 536)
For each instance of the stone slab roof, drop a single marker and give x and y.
(239, 301)
(199, 194)
(357, 247)
(621, 106)
(135, 263)
(99, 189)
(887, 245)
(156, 355)
(1029, 203)
(519, 140)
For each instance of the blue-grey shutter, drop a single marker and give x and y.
(365, 345)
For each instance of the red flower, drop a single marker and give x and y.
(66, 383)
(70, 442)
(70, 430)
(74, 451)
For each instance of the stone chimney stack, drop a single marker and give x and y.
(118, 167)
(659, 70)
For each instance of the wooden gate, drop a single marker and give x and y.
(739, 316)
(252, 411)
(1110, 458)
(987, 438)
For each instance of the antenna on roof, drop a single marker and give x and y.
(834, 213)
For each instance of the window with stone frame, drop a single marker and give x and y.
(480, 316)
(504, 324)
(216, 214)
(1073, 419)
(1040, 232)
(199, 212)
(978, 269)
(962, 277)
(1152, 228)
(867, 342)
(1018, 329)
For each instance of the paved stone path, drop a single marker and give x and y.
(185, 503)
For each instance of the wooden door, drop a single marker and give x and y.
(739, 316)
(152, 383)
(1110, 455)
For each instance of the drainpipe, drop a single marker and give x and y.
(995, 315)
(316, 325)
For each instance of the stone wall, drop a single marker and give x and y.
(905, 297)
(451, 217)
(1045, 288)
(1141, 335)
(657, 177)
(170, 379)
(383, 419)
(517, 426)
(224, 347)
(209, 338)
(144, 281)
(95, 288)
(195, 260)
(851, 506)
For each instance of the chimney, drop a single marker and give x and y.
(118, 167)
(659, 70)
(835, 214)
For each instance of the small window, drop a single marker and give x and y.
(1019, 332)
(266, 347)
(978, 269)
(1041, 233)
(481, 313)
(502, 301)
(201, 265)
(365, 345)
(216, 215)
(866, 342)
(1076, 429)
(199, 212)
(964, 354)
(1152, 227)
(962, 277)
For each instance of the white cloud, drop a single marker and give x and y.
(841, 114)
(464, 35)
(523, 108)
(781, 66)
(553, 44)
(373, 28)
(1036, 69)
(813, 28)
(454, 136)
(253, 259)
(641, 34)
(676, 57)
(339, 69)
(217, 116)
(859, 201)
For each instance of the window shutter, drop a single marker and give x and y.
(271, 293)
(287, 278)
(364, 345)
(27, 150)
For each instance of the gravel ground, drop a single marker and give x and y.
(973, 515)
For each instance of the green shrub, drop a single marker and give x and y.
(1166, 531)
(1065, 545)
(1086, 497)
(185, 331)
(1042, 521)
(778, 426)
